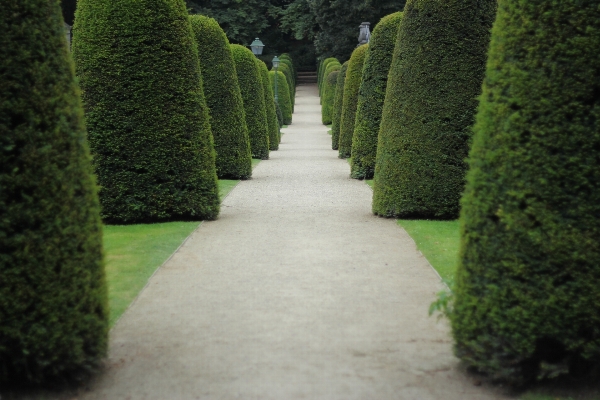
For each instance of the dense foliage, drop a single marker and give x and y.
(251, 86)
(351, 86)
(242, 21)
(371, 96)
(283, 91)
(328, 98)
(430, 106)
(527, 300)
(147, 118)
(336, 116)
(321, 72)
(53, 299)
(272, 123)
(287, 72)
(224, 100)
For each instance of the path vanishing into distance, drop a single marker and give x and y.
(296, 292)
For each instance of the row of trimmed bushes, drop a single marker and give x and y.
(169, 104)
(526, 304)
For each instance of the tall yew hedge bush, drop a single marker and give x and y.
(527, 303)
(284, 96)
(147, 118)
(250, 82)
(224, 100)
(351, 86)
(53, 299)
(287, 72)
(321, 72)
(271, 110)
(328, 97)
(430, 106)
(371, 96)
(338, 103)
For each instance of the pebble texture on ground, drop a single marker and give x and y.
(296, 292)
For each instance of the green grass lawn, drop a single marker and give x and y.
(134, 252)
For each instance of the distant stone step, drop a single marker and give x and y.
(307, 77)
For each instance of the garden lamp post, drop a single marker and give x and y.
(276, 65)
(365, 33)
(257, 47)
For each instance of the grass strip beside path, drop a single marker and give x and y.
(134, 252)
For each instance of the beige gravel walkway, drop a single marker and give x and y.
(296, 292)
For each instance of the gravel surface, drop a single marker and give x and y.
(296, 292)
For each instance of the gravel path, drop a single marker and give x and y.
(296, 292)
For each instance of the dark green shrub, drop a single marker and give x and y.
(145, 109)
(53, 299)
(371, 96)
(250, 82)
(283, 95)
(320, 77)
(329, 85)
(292, 80)
(272, 123)
(336, 116)
(351, 86)
(279, 116)
(290, 83)
(224, 100)
(430, 106)
(286, 58)
(527, 303)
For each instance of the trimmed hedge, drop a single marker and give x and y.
(272, 122)
(54, 311)
(224, 100)
(320, 77)
(250, 82)
(329, 85)
(430, 106)
(290, 83)
(351, 86)
(279, 116)
(527, 303)
(290, 66)
(147, 117)
(371, 96)
(284, 96)
(337, 107)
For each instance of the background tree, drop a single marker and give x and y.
(527, 301)
(337, 107)
(272, 123)
(351, 86)
(371, 96)
(430, 106)
(224, 100)
(54, 309)
(146, 113)
(253, 95)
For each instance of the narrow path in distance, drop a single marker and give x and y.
(296, 292)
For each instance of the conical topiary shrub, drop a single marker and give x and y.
(224, 100)
(329, 85)
(53, 313)
(279, 116)
(272, 123)
(527, 303)
(320, 77)
(371, 96)
(336, 116)
(286, 57)
(283, 97)
(253, 96)
(146, 113)
(351, 86)
(430, 106)
(290, 83)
